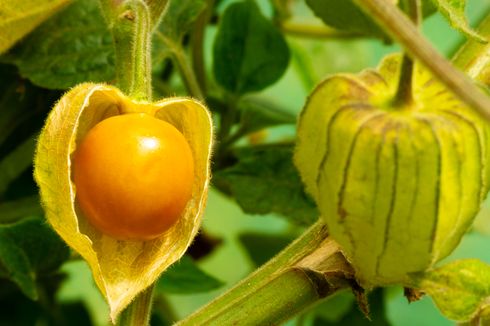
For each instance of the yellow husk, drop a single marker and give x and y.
(121, 269)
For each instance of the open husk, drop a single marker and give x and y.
(121, 269)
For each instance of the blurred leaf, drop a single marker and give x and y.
(249, 52)
(179, 18)
(76, 314)
(42, 246)
(72, 47)
(428, 8)
(355, 317)
(262, 247)
(453, 10)
(16, 162)
(18, 18)
(17, 309)
(29, 249)
(256, 114)
(264, 180)
(346, 16)
(176, 22)
(20, 101)
(336, 307)
(185, 277)
(15, 265)
(459, 289)
(11, 211)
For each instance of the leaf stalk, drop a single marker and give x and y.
(405, 32)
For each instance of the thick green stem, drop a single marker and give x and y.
(139, 311)
(130, 24)
(246, 289)
(405, 32)
(404, 91)
(281, 298)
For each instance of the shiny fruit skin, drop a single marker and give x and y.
(133, 175)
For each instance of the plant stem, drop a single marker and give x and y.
(139, 311)
(297, 263)
(284, 296)
(130, 24)
(187, 74)
(197, 45)
(314, 31)
(404, 94)
(399, 26)
(474, 57)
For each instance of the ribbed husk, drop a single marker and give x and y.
(397, 186)
(121, 269)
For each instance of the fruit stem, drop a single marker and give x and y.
(294, 279)
(404, 95)
(139, 311)
(388, 16)
(131, 26)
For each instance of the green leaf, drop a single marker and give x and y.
(15, 266)
(42, 246)
(19, 102)
(262, 247)
(179, 17)
(264, 180)
(249, 52)
(14, 210)
(459, 289)
(346, 16)
(29, 249)
(18, 18)
(428, 8)
(336, 308)
(72, 47)
(453, 11)
(257, 114)
(16, 162)
(185, 277)
(355, 317)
